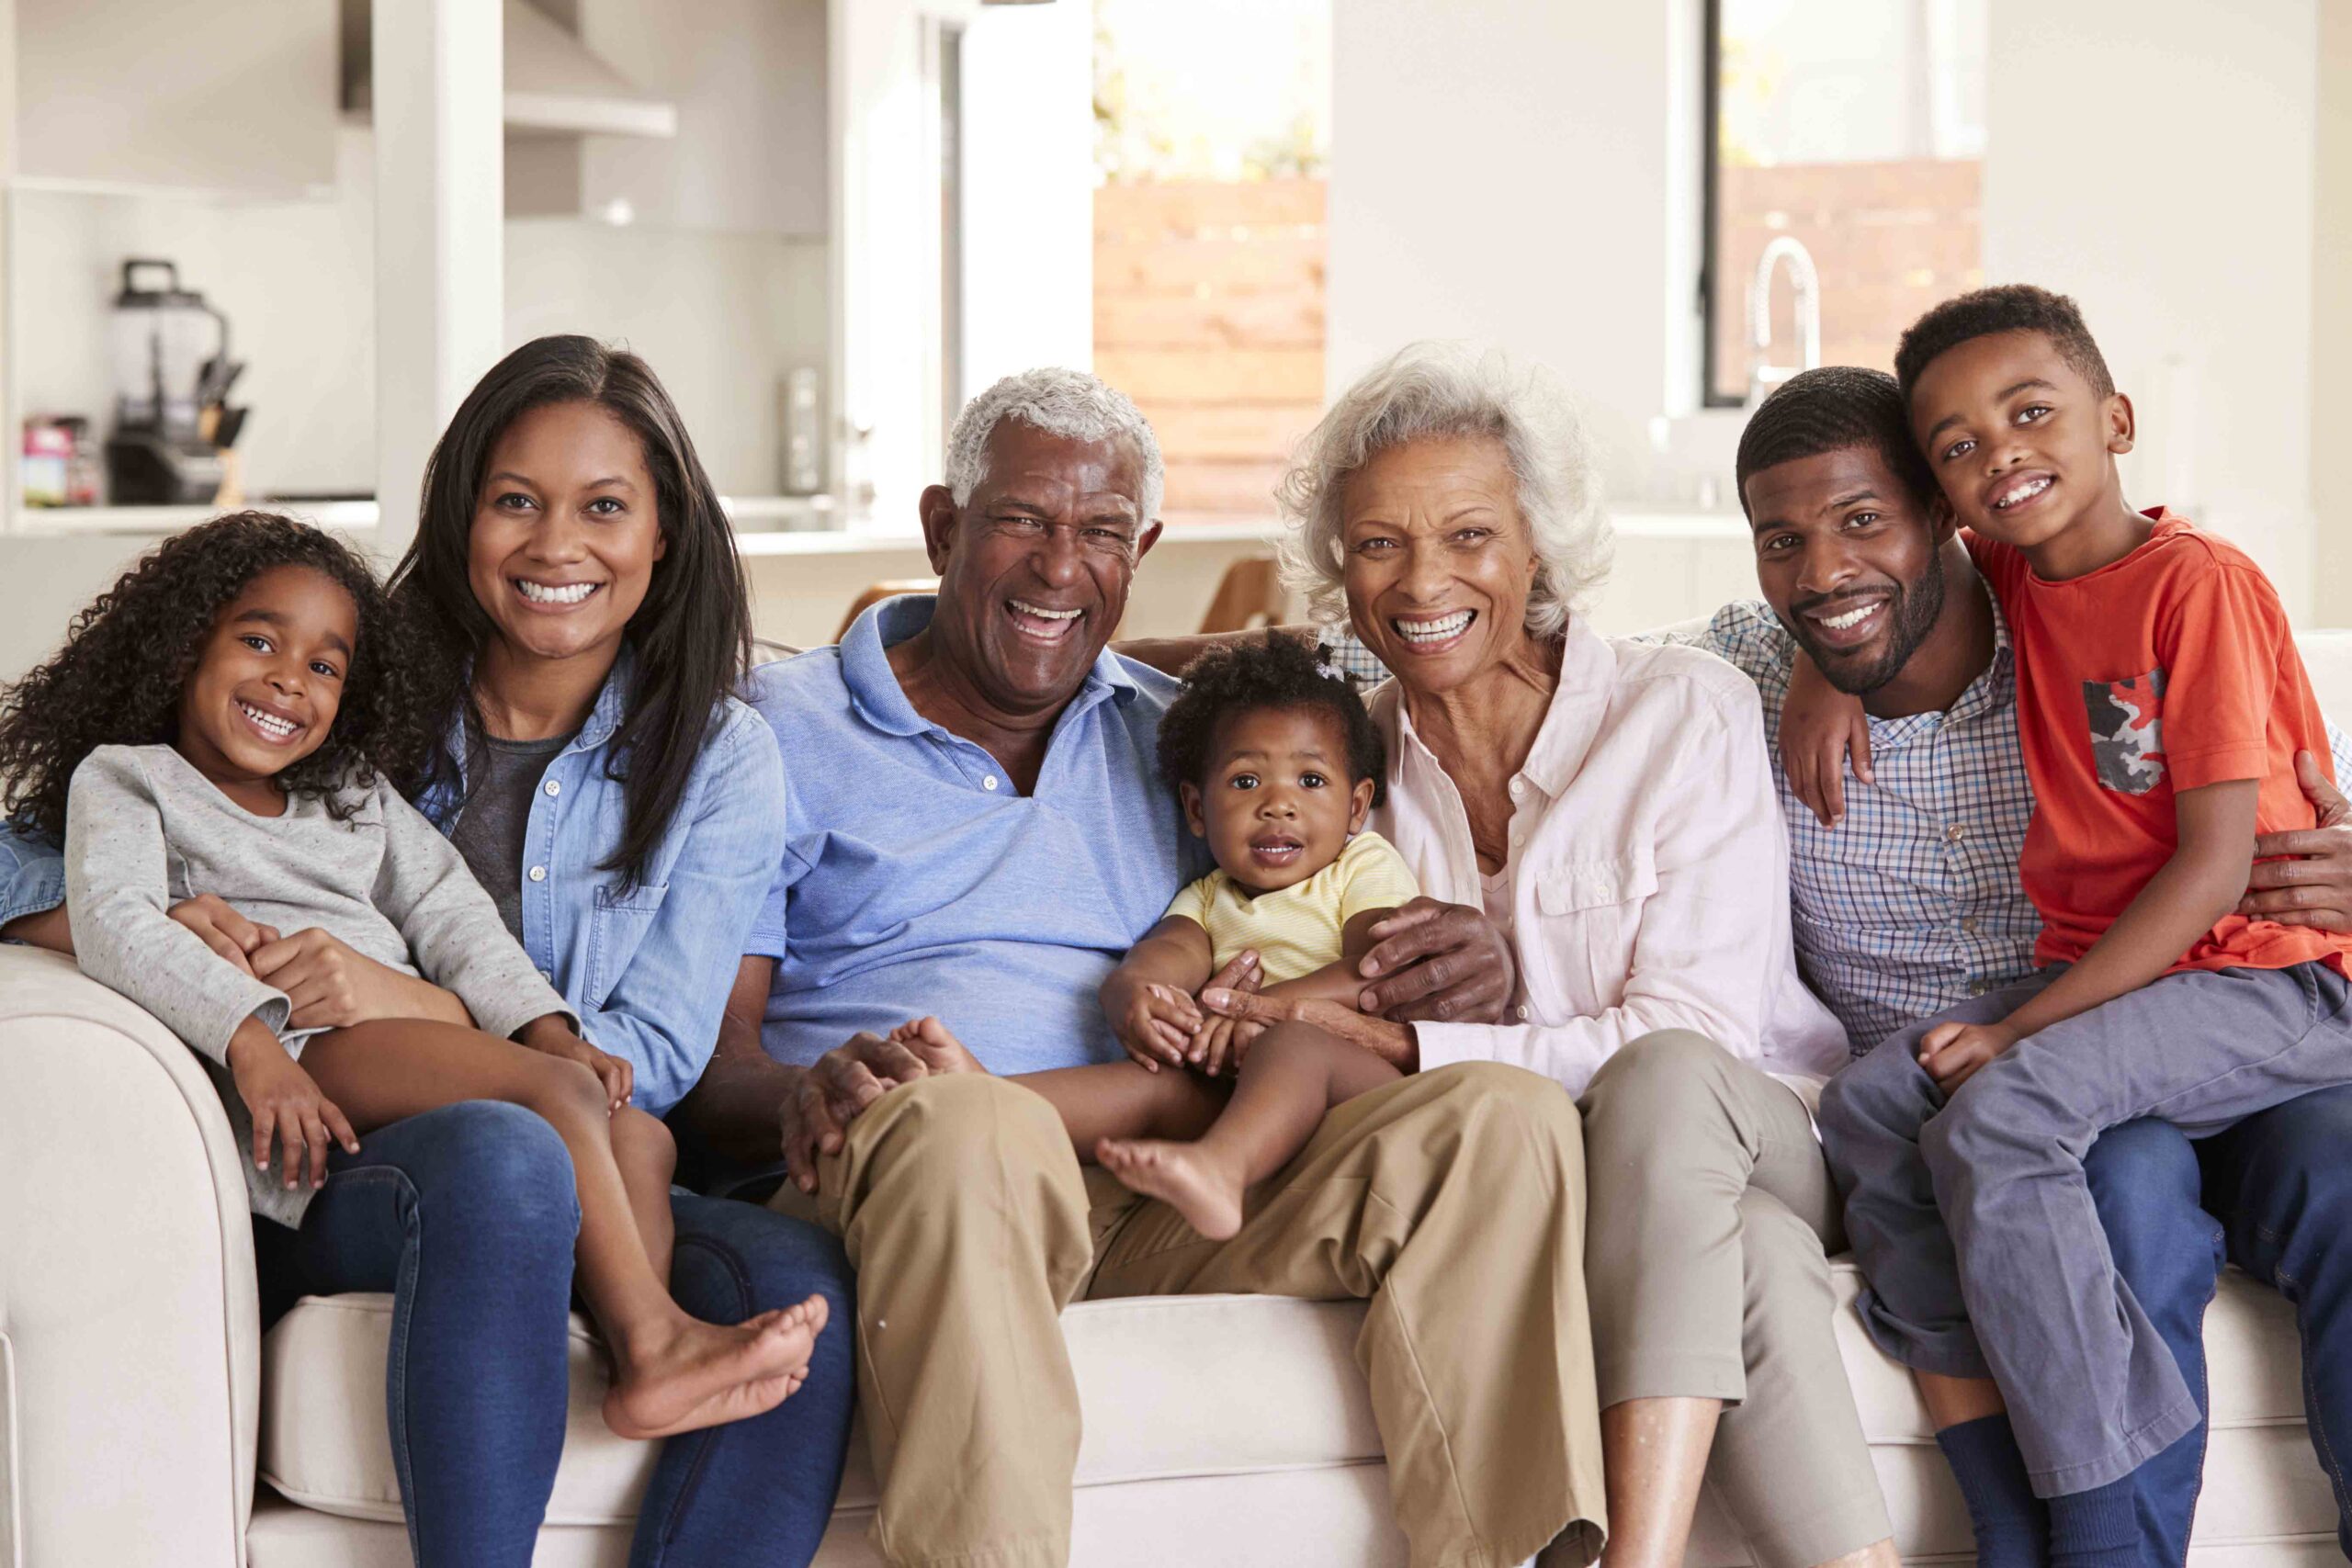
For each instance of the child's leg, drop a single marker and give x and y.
(1126, 1099)
(1289, 1080)
(647, 1158)
(672, 1371)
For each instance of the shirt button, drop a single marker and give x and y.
(1978, 988)
(555, 786)
(989, 783)
(1954, 833)
(548, 975)
(1518, 788)
(1968, 925)
(539, 874)
(1522, 1013)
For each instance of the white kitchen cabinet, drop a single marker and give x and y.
(748, 81)
(234, 97)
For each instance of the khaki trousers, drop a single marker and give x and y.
(1452, 1201)
(1712, 1211)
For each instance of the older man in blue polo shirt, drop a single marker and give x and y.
(975, 833)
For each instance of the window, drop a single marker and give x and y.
(1855, 129)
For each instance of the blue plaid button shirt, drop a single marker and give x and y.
(1913, 903)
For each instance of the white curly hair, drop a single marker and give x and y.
(1068, 404)
(1438, 390)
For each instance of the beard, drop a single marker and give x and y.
(1911, 615)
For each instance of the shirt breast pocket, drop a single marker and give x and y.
(616, 925)
(2126, 721)
(1589, 914)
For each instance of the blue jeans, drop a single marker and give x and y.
(467, 1215)
(2282, 1191)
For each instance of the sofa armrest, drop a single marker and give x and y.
(130, 1332)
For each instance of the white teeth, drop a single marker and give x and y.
(1850, 618)
(280, 728)
(1042, 613)
(540, 593)
(2026, 491)
(1437, 630)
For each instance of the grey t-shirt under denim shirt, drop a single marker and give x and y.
(144, 830)
(502, 778)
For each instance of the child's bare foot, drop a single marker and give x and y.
(706, 1374)
(1185, 1176)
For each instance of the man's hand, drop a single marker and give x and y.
(2313, 886)
(1951, 1053)
(1438, 962)
(223, 929)
(1392, 1043)
(838, 1087)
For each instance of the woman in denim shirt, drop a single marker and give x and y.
(576, 582)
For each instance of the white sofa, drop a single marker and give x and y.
(139, 1402)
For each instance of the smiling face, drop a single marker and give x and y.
(1276, 805)
(269, 681)
(1849, 560)
(566, 530)
(2022, 444)
(1035, 567)
(1439, 560)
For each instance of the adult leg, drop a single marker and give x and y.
(755, 1493)
(1453, 1202)
(959, 1204)
(2144, 1181)
(467, 1215)
(2093, 1390)
(2283, 1187)
(670, 1372)
(1711, 1211)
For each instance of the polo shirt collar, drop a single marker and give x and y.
(880, 701)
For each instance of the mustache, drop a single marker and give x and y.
(1843, 596)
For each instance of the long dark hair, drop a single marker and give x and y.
(116, 681)
(692, 634)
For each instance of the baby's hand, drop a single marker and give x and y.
(1953, 1053)
(1821, 727)
(1157, 1025)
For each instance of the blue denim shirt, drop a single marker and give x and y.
(648, 971)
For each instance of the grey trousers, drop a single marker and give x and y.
(1708, 1213)
(1973, 1221)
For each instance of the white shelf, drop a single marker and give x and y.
(159, 520)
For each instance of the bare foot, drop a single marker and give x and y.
(1185, 1176)
(706, 1374)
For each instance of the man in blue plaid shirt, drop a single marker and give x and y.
(1911, 902)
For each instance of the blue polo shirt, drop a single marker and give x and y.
(916, 880)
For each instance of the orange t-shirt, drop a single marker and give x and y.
(2171, 669)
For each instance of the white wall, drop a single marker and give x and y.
(2332, 319)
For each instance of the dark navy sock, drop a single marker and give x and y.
(2012, 1527)
(2098, 1528)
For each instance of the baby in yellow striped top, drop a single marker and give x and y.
(1277, 765)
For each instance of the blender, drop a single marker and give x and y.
(171, 361)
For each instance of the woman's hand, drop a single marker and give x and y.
(287, 1105)
(1392, 1043)
(553, 1036)
(223, 929)
(330, 985)
(1821, 729)
(1438, 962)
(1953, 1053)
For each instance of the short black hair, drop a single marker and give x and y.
(2010, 308)
(1280, 673)
(1828, 410)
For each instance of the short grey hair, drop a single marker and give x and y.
(1435, 390)
(1068, 403)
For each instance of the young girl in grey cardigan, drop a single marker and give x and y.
(230, 720)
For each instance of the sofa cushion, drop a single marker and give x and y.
(1168, 1387)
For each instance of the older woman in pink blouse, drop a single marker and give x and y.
(1609, 804)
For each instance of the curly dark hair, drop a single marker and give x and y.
(1828, 410)
(1280, 673)
(117, 680)
(692, 634)
(2010, 308)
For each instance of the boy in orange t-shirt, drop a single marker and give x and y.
(2160, 706)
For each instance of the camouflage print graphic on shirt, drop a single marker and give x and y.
(2127, 731)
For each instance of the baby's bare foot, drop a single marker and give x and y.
(704, 1374)
(1185, 1176)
